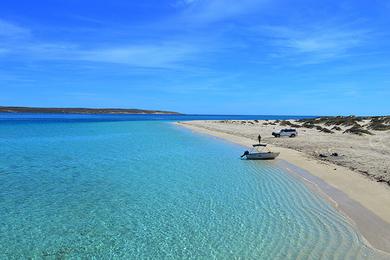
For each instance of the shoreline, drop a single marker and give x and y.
(364, 202)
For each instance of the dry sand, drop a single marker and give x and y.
(350, 179)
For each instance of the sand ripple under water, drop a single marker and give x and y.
(152, 190)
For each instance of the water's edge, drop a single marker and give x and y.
(373, 229)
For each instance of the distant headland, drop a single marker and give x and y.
(52, 110)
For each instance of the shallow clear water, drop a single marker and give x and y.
(153, 190)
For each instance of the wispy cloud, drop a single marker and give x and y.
(166, 55)
(208, 11)
(162, 55)
(3, 51)
(315, 44)
(19, 42)
(11, 30)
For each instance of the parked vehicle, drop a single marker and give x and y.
(286, 132)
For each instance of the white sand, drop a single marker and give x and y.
(361, 153)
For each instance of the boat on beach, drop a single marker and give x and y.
(258, 153)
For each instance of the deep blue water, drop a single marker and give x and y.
(152, 190)
(135, 117)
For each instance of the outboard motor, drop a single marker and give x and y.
(245, 153)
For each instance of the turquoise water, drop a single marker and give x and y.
(133, 117)
(151, 190)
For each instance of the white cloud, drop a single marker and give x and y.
(163, 55)
(208, 11)
(186, 2)
(10, 30)
(168, 55)
(11, 36)
(314, 44)
(18, 42)
(3, 51)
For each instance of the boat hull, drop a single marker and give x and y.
(262, 156)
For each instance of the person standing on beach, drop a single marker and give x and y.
(259, 137)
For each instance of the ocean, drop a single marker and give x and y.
(140, 187)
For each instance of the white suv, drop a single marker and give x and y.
(286, 132)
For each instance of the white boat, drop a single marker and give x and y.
(262, 156)
(255, 154)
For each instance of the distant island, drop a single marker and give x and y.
(52, 110)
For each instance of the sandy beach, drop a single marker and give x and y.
(356, 180)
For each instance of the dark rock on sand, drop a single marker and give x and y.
(357, 130)
(326, 130)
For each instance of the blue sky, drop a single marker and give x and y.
(197, 56)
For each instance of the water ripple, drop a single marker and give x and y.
(141, 190)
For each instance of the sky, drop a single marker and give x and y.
(297, 57)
